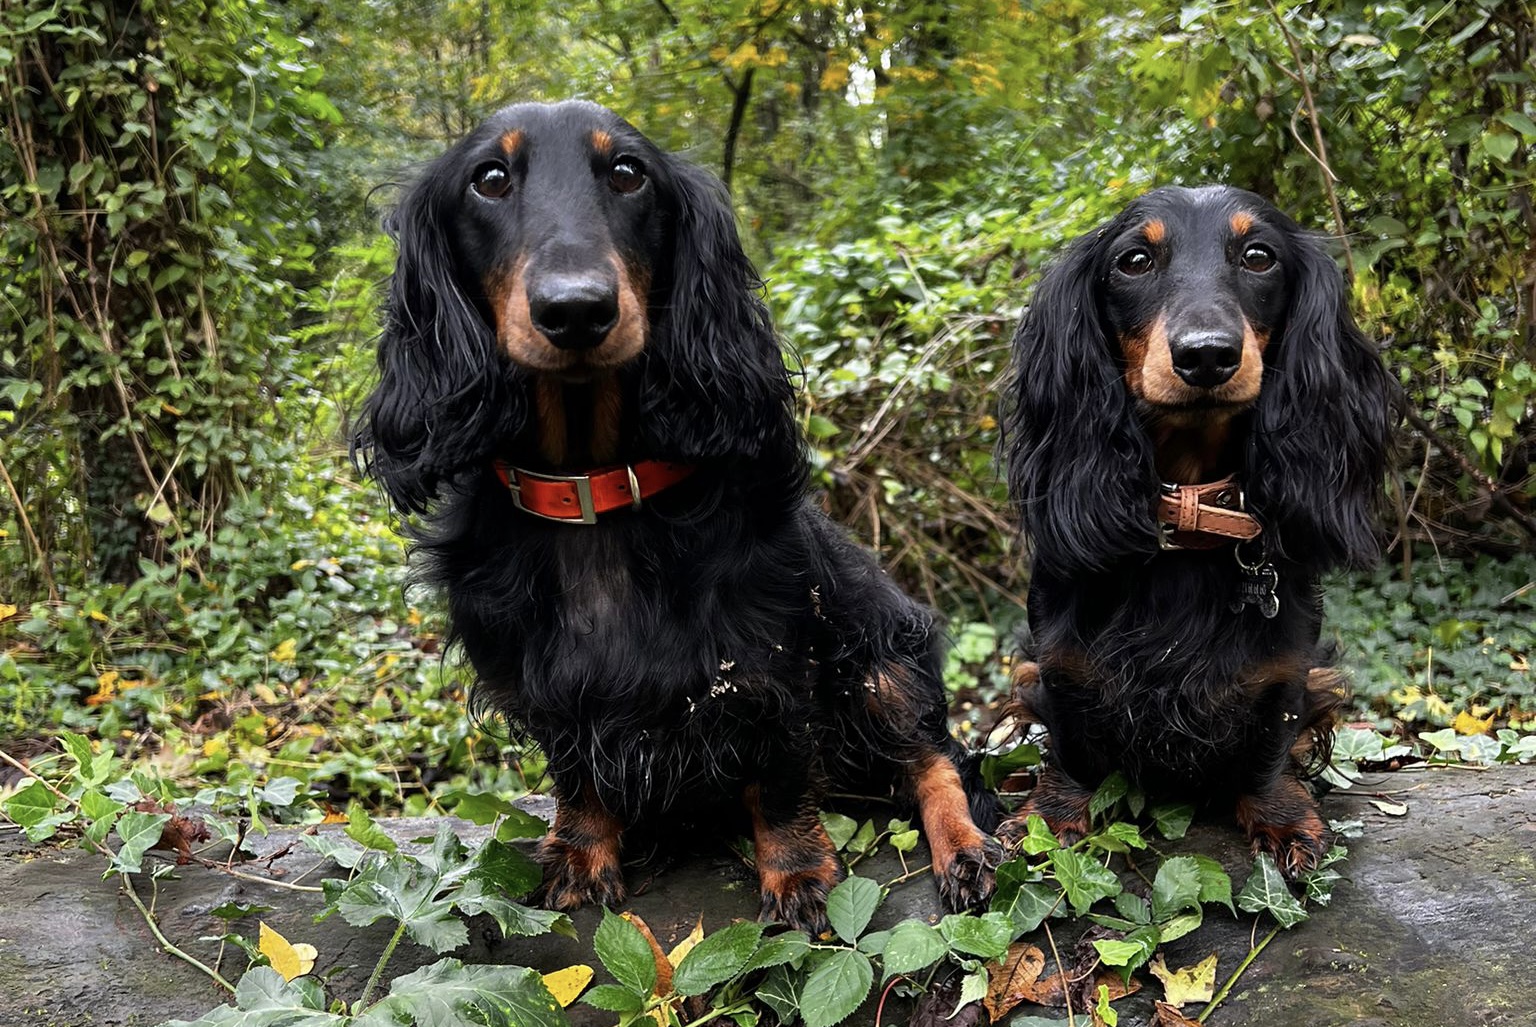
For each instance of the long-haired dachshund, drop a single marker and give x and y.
(581, 389)
(1198, 430)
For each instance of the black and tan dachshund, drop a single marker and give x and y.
(1198, 430)
(581, 391)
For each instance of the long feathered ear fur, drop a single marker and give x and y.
(1080, 468)
(445, 397)
(1323, 424)
(714, 383)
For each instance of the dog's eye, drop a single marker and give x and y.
(492, 181)
(626, 175)
(1258, 259)
(1134, 262)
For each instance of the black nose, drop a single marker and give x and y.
(1206, 359)
(573, 311)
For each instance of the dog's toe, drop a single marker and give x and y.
(968, 880)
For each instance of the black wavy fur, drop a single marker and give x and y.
(723, 638)
(1140, 664)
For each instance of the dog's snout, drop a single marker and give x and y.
(1206, 359)
(574, 311)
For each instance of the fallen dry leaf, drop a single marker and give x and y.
(286, 958)
(1012, 979)
(1168, 1016)
(663, 966)
(685, 946)
(1188, 983)
(179, 832)
(566, 984)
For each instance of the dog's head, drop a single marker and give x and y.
(1199, 333)
(557, 243)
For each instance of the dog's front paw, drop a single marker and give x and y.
(575, 876)
(799, 899)
(967, 879)
(1296, 848)
(1283, 821)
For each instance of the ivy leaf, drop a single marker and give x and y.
(912, 945)
(836, 988)
(1038, 837)
(361, 829)
(139, 832)
(850, 905)
(1118, 837)
(626, 953)
(1083, 879)
(1173, 819)
(1023, 897)
(1266, 891)
(1176, 887)
(1215, 885)
(34, 809)
(716, 959)
(1320, 880)
(450, 994)
(986, 936)
(839, 828)
(1132, 951)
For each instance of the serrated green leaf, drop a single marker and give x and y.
(1266, 891)
(626, 953)
(333, 848)
(263, 999)
(717, 958)
(506, 868)
(850, 905)
(912, 945)
(779, 950)
(614, 999)
(836, 988)
(1215, 885)
(1110, 791)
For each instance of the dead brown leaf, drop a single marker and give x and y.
(663, 965)
(179, 833)
(1169, 1016)
(1012, 979)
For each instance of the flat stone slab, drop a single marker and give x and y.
(1432, 925)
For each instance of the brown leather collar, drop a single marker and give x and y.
(579, 498)
(1204, 516)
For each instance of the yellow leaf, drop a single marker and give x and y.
(7, 610)
(286, 958)
(286, 650)
(106, 680)
(1468, 724)
(835, 77)
(987, 422)
(566, 984)
(1188, 983)
(685, 946)
(97, 615)
(299, 565)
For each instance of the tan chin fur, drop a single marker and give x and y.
(527, 346)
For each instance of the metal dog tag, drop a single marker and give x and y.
(1256, 584)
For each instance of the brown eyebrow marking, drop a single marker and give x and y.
(1154, 231)
(602, 142)
(1241, 222)
(511, 140)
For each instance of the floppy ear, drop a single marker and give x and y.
(1080, 467)
(714, 382)
(1323, 423)
(445, 397)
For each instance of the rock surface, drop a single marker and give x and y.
(1431, 927)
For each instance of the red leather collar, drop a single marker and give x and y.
(579, 498)
(1204, 516)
